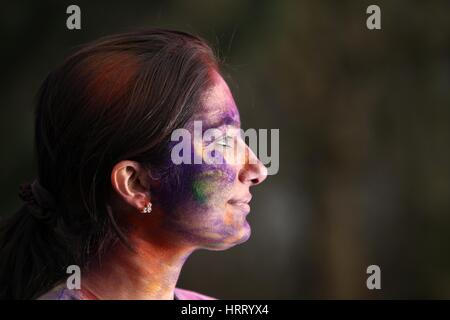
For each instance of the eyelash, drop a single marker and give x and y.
(226, 138)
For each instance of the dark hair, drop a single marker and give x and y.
(117, 98)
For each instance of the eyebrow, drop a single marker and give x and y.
(225, 120)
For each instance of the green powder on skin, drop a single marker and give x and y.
(199, 189)
(206, 184)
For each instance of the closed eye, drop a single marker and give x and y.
(225, 141)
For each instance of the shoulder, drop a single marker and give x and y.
(60, 292)
(183, 294)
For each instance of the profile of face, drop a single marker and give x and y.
(211, 209)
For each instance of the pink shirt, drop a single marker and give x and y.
(60, 292)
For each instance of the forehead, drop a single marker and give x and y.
(218, 106)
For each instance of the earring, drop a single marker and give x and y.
(148, 208)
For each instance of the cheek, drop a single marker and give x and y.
(195, 196)
(189, 188)
(211, 184)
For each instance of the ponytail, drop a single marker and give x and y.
(29, 249)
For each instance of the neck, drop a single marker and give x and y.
(151, 272)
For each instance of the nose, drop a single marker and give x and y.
(253, 171)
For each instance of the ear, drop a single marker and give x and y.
(131, 183)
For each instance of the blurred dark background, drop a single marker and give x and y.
(364, 134)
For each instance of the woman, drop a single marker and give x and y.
(109, 197)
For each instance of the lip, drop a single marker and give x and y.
(242, 203)
(244, 207)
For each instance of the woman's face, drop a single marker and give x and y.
(211, 208)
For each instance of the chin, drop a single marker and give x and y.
(234, 238)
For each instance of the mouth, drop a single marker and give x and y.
(242, 203)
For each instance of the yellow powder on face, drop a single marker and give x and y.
(229, 218)
(213, 235)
